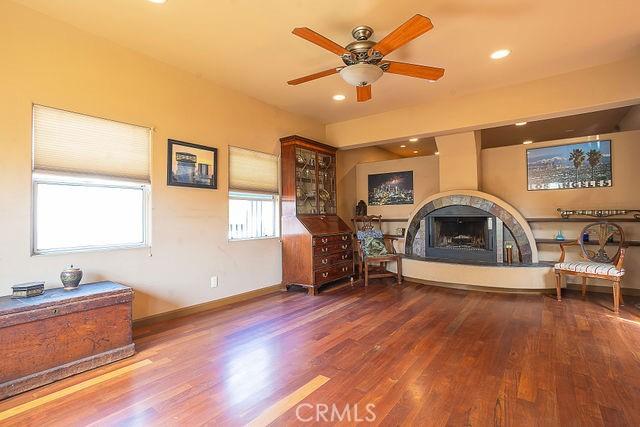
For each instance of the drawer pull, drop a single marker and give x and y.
(325, 240)
(324, 250)
(325, 275)
(344, 256)
(344, 246)
(344, 269)
(325, 261)
(345, 237)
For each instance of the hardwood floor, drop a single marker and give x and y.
(422, 355)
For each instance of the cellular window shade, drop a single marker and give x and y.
(75, 143)
(252, 171)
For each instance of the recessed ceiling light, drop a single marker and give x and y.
(339, 97)
(413, 139)
(158, 1)
(415, 151)
(527, 142)
(403, 146)
(521, 123)
(437, 153)
(499, 54)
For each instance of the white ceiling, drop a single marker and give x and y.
(247, 45)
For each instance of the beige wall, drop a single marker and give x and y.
(347, 160)
(631, 120)
(425, 182)
(579, 91)
(459, 161)
(505, 176)
(50, 63)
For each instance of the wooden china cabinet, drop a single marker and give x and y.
(317, 245)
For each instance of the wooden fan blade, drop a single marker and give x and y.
(413, 70)
(320, 40)
(363, 93)
(414, 27)
(314, 76)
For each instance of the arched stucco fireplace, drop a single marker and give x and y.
(468, 226)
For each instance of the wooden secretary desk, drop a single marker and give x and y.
(317, 246)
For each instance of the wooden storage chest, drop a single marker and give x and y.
(62, 333)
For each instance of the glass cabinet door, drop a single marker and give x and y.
(326, 184)
(306, 194)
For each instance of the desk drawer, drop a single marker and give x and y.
(334, 248)
(322, 262)
(329, 240)
(333, 273)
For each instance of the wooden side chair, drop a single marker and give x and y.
(374, 249)
(597, 264)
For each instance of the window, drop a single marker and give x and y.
(91, 185)
(252, 216)
(253, 195)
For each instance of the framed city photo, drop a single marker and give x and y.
(192, 165)
(395, 188)
(581, 165)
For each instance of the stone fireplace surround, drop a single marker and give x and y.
(511, 218)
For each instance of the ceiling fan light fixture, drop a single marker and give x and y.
(361, 74)
(339, 97)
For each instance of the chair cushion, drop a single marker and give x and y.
(590, 267)
(372, 243)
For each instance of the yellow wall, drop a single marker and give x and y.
(347, 160)
(425, 183)
(459, 165)
(505, 176)
(579, 91)
(50, 63)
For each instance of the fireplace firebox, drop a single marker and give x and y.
(461, 233)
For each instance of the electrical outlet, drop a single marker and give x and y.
(214, 281)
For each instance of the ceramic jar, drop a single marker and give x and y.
(71, 277)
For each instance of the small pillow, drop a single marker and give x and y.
(372, 243)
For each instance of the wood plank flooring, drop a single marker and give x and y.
(396, 355)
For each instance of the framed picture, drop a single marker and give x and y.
(395, 188)
(580, 165)
(192, 165)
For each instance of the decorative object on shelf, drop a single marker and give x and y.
(508, 253)
(361, 208)
(71, 278)
(599, 213)
(400, 231)
(395, 188)
(581, 165)
(191, 165)
(559, 235)
(585, 237)
(26, 290)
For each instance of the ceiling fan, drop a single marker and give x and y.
(363, 58)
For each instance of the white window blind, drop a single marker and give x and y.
(75, 143)
(252, 171)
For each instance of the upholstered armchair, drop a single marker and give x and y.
(374, 249)
(597, 264)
